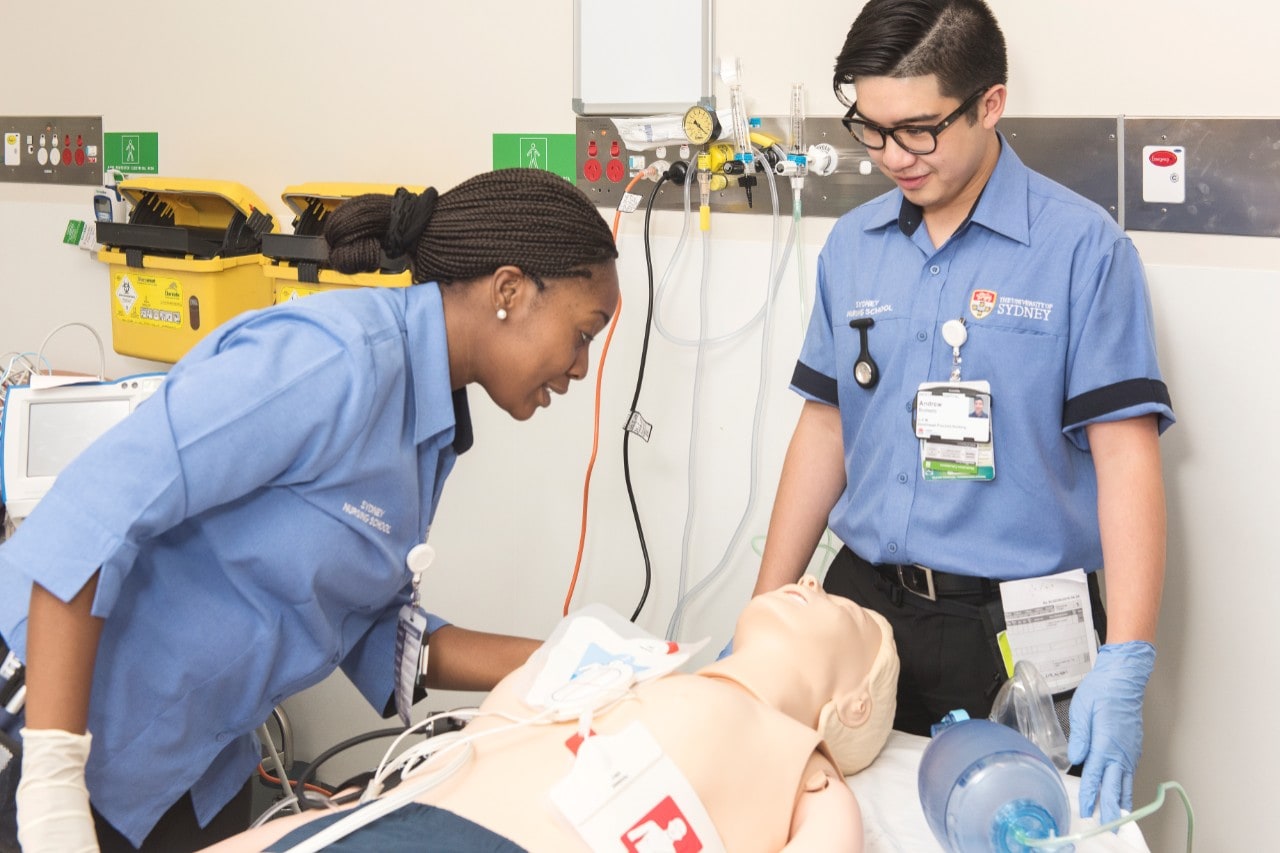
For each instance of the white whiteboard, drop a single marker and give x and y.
(623, 68)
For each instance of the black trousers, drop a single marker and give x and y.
(947, 648)
(178, 830)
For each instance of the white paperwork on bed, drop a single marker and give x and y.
(888, 794)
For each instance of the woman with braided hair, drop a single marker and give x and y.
(261, 519)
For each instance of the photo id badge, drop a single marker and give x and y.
(411, 629)
(952, 420)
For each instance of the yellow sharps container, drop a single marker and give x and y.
(188, 259)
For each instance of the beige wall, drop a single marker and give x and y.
(273, 94)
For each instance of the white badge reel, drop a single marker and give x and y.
(411, 633)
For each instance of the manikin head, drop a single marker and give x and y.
(526, 266)
(824, 660)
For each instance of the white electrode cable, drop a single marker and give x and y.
(102, 356)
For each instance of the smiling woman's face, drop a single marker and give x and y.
(547, 339)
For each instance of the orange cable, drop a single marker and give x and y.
(275, 781)
(595, 438)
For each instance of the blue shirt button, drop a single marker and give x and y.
(922, 336)
(892, 547)
(223, 736)
(935, 269)
(902, 478)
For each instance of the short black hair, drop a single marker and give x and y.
(958, 41)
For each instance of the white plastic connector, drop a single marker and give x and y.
(823, 159)
(655, 170)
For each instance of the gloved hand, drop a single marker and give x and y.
(726, 651)
(53, 802)
(1106, 726)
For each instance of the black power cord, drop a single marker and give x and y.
(676, 174)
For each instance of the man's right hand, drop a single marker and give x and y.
(53, 802)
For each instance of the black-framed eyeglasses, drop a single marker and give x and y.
(912, 138)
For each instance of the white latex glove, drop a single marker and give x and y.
(53, 802)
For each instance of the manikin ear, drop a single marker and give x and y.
(853, 708)
(842, 725)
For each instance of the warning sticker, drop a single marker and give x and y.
(148, 300)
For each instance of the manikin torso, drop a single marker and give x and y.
(746, 761)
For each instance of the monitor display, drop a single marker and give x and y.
(45, 428)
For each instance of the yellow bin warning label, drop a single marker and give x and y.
(148, 300)
(294, 292)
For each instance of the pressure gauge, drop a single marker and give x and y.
(701, 125)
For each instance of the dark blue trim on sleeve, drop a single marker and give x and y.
(1112, 398)
(815, 384)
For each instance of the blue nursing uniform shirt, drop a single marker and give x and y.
(250, 522)
(1055, 303)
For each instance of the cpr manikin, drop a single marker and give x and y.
(743, 732)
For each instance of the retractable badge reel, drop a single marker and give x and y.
(411, 633)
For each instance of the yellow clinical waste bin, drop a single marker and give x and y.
(188, 259)
(298, 263)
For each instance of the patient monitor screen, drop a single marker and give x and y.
(60, 430)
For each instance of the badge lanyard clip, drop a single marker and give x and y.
(411, 632)
(955, 334)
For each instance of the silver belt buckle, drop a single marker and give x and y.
(930, 592)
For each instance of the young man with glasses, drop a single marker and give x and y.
(976, 278)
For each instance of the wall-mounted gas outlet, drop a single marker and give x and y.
(51, 150)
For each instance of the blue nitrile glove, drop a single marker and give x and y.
(1106, 726)
(726, 651)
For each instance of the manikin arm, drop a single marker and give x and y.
(827, 818)
(812, 480)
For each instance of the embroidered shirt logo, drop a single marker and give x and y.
(370, 514)
(1030, 309)
(867, 308)
(981, 303)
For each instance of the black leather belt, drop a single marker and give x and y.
(930, 584)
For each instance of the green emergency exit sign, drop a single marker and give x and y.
(551, 152)
(131, 153)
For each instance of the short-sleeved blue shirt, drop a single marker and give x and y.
(250, 521)
(1059, 322)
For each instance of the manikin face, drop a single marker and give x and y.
(547, 338)
(802, 624)
(954, 174)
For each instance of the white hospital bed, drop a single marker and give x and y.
(889, 796)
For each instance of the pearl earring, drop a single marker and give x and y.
(502, 313)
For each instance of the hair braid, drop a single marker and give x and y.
(526, 217)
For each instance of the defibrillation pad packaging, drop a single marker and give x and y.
(593, 658)
(188, 259)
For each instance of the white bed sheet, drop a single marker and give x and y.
(888, 794)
